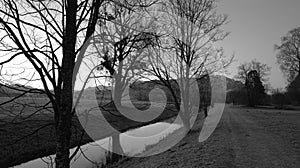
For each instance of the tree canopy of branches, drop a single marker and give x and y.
(262, 70)
(120, 44)
(186, 52)
(49, 37)
(289, 54)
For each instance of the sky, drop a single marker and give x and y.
(256, 26)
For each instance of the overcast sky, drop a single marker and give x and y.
(255, 26)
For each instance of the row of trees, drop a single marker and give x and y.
(122, 39)
(175, 44)
(254, 73)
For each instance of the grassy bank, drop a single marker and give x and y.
(244, 137)
(25, 140)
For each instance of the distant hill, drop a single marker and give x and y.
(10, 90)
(139, 90)
(233, 84)
(13, 90)
(7, 90)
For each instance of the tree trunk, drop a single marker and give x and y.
(118, 84)
(64, 91)
(186, 99)
(117, 150)
(182, 115)
(118, 96)
(205, 111)
(186, 112)
(186, 122)
(63, 135)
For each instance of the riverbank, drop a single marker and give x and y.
(35, 138)
(244, 137)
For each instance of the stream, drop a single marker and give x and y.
(133, 142)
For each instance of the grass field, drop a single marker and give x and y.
(245, 137)
(28, 132)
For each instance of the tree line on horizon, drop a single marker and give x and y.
(254, 74)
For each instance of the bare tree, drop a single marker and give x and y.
(50, 36)
(262, 70)
(289, 54)
(186, 52)
(119, 43)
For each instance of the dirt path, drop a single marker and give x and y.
(254, 145)
(244, 138)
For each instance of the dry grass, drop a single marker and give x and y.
(23, 139)
(220, 150)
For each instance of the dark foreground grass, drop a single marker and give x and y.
(35, 137)
(21, 142)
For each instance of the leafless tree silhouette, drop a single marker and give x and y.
(186, 52)
(119, 44)
(49, 37)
